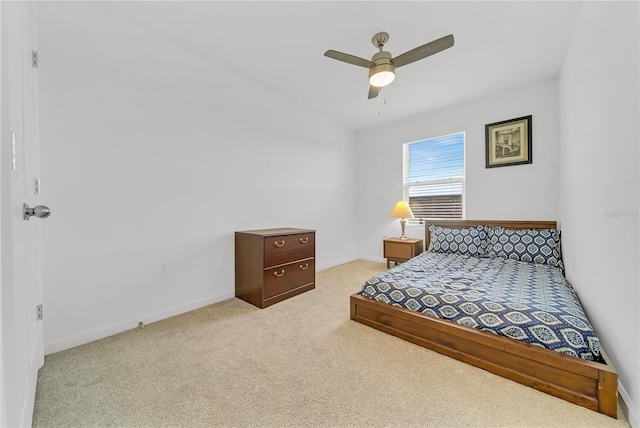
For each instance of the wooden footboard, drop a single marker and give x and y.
(586, 383)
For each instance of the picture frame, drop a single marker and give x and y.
(508, 142)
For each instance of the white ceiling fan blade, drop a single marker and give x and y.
(351, 59)
(423, 51)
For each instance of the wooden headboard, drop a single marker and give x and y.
(507, 224)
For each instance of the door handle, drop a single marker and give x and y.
(40, 211)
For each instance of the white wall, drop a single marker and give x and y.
(521, 192)
(147, 160)
(598, 194)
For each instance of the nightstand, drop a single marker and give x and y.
(400, 250)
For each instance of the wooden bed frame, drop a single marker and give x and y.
(586, 383)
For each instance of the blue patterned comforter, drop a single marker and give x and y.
(530, 302)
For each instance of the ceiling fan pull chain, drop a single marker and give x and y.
(383, 101)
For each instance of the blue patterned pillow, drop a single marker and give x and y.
(540, 246)
(469, 241)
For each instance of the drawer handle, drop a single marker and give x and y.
(304, 240)
(279, 274)
(278, 244)
(306, 265)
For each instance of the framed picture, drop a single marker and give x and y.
(508, 142)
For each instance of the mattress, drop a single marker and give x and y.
(524, 301)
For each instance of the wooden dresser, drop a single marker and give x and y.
(274, 264)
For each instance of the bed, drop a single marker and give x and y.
(579, 374)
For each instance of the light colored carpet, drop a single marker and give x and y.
(300, 363)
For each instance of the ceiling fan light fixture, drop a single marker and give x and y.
(381, 75)
(382, 67)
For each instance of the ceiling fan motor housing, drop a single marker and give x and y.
(383, 71)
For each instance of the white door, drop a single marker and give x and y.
(21, 348)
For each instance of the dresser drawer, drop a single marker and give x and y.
(286, 277)
(287, 248)
(398, 250)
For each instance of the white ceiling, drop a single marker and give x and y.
(280, 45)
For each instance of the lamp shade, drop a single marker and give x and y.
(402, 210)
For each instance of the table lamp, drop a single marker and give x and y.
(403, 212)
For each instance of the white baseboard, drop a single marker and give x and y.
(373, 259)
(71, 342)
(340, 262)
(334, 263)
(631, 408)
(51, 348)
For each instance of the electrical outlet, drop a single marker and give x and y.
(165, 268)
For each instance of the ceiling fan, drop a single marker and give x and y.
(382, 66)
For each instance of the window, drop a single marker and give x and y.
(434, 176)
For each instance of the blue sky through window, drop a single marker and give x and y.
(437, 158)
